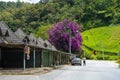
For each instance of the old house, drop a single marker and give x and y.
(10, 48)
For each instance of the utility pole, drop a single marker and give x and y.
(70, 42)
(102, 50)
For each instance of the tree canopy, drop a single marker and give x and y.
(64, 33)
(88, 13)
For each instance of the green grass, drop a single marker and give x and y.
(105, 39)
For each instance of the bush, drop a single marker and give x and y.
(118, 61)
(107, 57)
(99, 57)
(114, 57)
(93, 57)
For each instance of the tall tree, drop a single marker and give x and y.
(63, 33)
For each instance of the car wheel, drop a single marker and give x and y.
(80, 64)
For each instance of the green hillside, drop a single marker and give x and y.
(106, 39)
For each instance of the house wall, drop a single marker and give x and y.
(30, 62)
(47, 58)
(38, 58)
(64, 59)
(13, 58)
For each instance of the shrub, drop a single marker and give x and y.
(114, 57)
(118, 61)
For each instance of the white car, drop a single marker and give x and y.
(76, 61)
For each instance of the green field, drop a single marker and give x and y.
(104, 40)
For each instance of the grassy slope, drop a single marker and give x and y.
(108, 37)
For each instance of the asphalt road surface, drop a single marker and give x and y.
(94, 70)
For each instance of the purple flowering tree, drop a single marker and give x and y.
(62, 33)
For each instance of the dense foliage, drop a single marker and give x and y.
(42, 32)
(63, 33)
(88, 13)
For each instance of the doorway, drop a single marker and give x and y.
(0, 58)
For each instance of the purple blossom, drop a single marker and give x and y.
(59, 35)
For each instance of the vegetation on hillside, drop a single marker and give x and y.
(89, 13)
(104, 40)
(42, 32)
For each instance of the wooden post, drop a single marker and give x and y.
(42, 58)
(34, 58)
(68, 59)
(24, 63)
(60, 58)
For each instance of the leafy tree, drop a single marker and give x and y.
(59, 35)
(42, 32)
(89, 13)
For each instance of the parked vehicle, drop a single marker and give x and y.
(76, 61)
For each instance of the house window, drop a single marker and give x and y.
(36, 42)
(26, 40)
(45, 44)
(7, 34)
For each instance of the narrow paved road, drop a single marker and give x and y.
(94, 70)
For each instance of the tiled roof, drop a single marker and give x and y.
(1, 40)
(50, 46)
(40, 43)
(8, 34)
(34, 41)
(20, 34)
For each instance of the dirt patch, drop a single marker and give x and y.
(29, 71)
